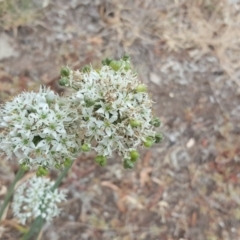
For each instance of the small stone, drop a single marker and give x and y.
(190, 143)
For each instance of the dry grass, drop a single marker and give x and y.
(199, 26)
(16, 13)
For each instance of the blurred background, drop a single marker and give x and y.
(187, 52)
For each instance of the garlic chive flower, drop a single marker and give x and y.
(39, 129)
(35, 198)
(113, 108)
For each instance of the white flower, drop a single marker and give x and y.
(107, 102)
(35, 198)
(40, 129)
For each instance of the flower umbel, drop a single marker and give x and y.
(114, 108)
(39, 128)
(35, 198)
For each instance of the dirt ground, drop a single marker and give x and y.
(187, 52)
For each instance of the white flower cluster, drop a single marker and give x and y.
(35, 198)
(39, 128)
(114, 109)
(109, 111)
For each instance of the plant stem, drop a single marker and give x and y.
(61, 176)
(9, 194)
(35, 228)
(39, 221)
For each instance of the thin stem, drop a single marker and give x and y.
(61, 176)
(39, 221)
(35, 228)
(9, 194)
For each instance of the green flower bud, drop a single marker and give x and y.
(58, 166)
(115, 65)
(134, 155)
(127, 66)
(126, 57)
(149, 142)
(65, 72)
(155, 122)
(24, 167)
(41, 171)
(101, 160)
(128, 164)
(86, 69)
(89, 102)
(141, 88)
(67, 162)
(106, 61)
(135, 123)
(158, 137)
(85, 147)
(63, 81)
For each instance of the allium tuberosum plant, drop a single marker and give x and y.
(109, 111)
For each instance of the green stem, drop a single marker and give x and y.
(9, 194)
(39, 221)
(61, 176)
(35, 228)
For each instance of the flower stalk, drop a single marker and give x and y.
(39, 221)
(10, 191)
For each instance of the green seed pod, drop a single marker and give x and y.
(86, 69)
(89, 102)
(24, 167)
(127, 66)
(149, 142)
(128, 164)
(65, 72)
(41, 171)
(106, 61)
(156, 122)
(85, 147)
(115, 65)
(126, 57)
(67, 162)
(101, 160)
(58, 166)
(158, 137)
(63, 81)
(141, 88)
(135, 123)
(134, 155)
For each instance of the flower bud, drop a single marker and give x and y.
(134, 155)
(24, 167)
(51, 96)
(115, 65)
(58, 166)
(63, 81)
(135, 123)
(85, 147)
(126, 57)
(149, 142)
(158, 137)
(155, 122)
(89, 102)
(67, 162)
(101, 160)
(41, 171)
(86, 69)
(106, 61)
(65, 72)
(128, 164)
(141, 88)
(127, 66)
